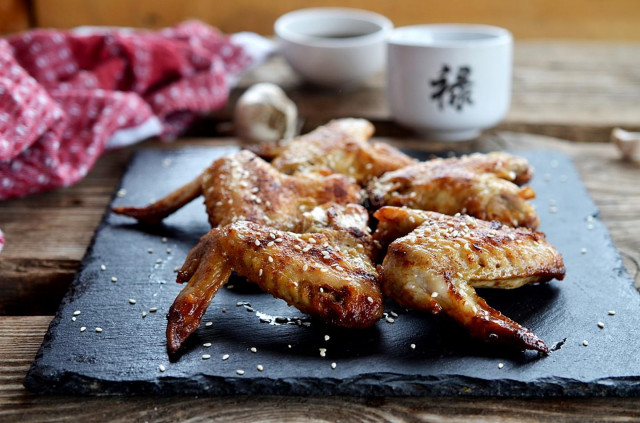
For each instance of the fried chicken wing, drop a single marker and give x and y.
(341, 147)
(242, 186)
(437, 260)
(481, 185)
(326, 272)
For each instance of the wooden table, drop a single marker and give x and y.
(576, 91)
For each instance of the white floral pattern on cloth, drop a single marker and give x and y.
(64, 94)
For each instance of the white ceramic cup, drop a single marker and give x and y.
(449, 81)
(334, 46)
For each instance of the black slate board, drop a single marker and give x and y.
(125, 357)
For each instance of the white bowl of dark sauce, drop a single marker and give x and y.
(334, 47)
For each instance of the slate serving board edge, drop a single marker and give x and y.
(41, 379)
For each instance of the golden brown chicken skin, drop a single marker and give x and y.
(481, 185)
(326, 272)
(437, 260)
(242, 186)
(342, 146)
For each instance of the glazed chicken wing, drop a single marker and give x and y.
(242, 186)
(481, 185)
(342, 146)
(326, 272)
(437, 260)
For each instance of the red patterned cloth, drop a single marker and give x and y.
(66, 96)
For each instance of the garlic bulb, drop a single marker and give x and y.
(265, 114)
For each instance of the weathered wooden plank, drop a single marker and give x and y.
(20, 338)
(14, 16)
(72, 214)
(615, 19)
(571, 90)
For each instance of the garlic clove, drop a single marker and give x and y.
(627, 142)
(264, 114)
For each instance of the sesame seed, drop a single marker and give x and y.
(159, 261)
(393, 314)
(321, 289)
(144, 314)
(260, 272)
(98, 330)
(82, 329)
(323, 353)
(224, 309)
(279, 240)
(327, 337)
(390, 319)
(324, 270)
(121, 192)
(164, 239)
(114, 279)
(412, 346)
(153, 309)
(312, 240)
(500, 365)
(585, 343)
(254, 190)
(77, 313)
(206, 356)
(218, 203)
(612, 313)
(208, 324)
(176, 269)
(230, 286)
(250, 309)
(368, 166)
(240, 372)
(168, 250)
(601, 325)
(225, 357)
(270, 259)
(434, 295)
(305, 267)
(162, 368)
(270, 244)
(239, 304)
(149, 250)
(103, 267)
(254, 350)
(257, 243)
(583, 251)
(272, 235)
(259, 367)
(297, 247)
(333, 365)
(206, 344)
(132, 301)
(370, 299)
(306, 249)
(288, 345)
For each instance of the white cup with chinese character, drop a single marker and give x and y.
(449, 81)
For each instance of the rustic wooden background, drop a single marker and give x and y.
(574, 19)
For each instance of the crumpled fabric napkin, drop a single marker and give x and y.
(66, 96)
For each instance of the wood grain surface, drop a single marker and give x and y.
(14, 16)
(20, 338)
(588, 19)
(572, 90)
(575, 91)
